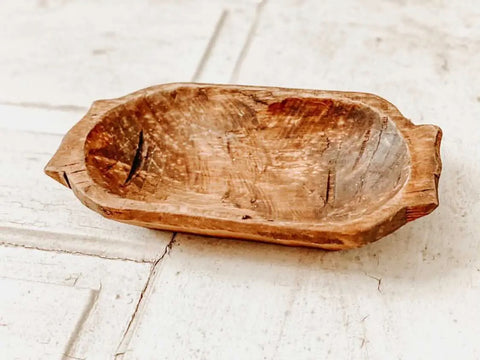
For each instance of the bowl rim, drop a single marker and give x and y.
(417, 197)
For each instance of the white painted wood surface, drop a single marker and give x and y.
(75, 285)
(58, 305)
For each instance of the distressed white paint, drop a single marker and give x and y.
(227, 44)
(28, 330)
(412, 295)
(218, 297)
(74, 52)
(257, 302)
(38, 212)
(40, 120)
(57, 305)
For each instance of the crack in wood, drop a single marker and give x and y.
(137, 160)
(327, 191)
(65, 177)
(366, 137)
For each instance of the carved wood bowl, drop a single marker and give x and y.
(325, 169)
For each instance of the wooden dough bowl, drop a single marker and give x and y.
(325, 169)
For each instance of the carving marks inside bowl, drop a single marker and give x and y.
(250, 153)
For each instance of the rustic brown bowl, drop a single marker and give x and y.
(326, 169)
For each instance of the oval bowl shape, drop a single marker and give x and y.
(325, 169)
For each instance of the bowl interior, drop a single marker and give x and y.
(250, 154)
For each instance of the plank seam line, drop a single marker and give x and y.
(141, 299)
(61, 251)
(211, 44)
(45, 106)
(248, 41)
(94, 294)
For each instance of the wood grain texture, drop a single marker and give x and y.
(298, 167)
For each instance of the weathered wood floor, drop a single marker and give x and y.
(76, 286)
